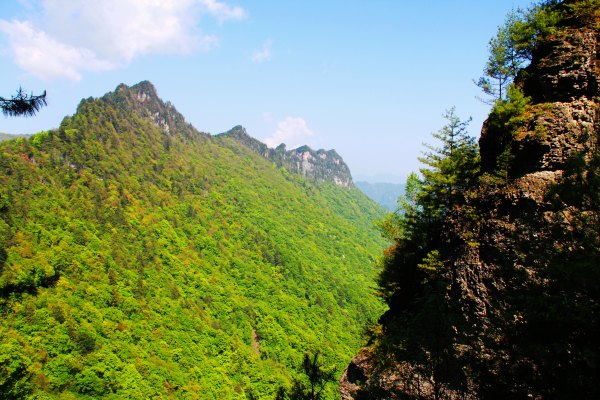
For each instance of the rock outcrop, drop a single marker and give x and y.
(319, 165)
(523, 314)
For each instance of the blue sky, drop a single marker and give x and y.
(369, 78)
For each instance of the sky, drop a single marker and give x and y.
(368, 78)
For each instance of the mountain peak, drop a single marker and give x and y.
(143, 99)
(320, 165)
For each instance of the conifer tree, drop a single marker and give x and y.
(504, 61)
(448, 168)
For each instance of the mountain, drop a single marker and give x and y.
(141, 258)
(383, 193)
(501, 299)
(8, 136)
(319, 165)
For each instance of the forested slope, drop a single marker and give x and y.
(140, 258)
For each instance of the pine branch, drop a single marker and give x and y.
(22, 104)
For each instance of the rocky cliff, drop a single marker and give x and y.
(143, 100)
(516, 314)
(319, 165)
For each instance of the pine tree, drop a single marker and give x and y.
(504, 61)
(448, 168)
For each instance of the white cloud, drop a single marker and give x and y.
(222, 11)
(264, 54)
(72, 36)
(42, 56)
(293, 131)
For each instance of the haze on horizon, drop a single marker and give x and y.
(370, 79)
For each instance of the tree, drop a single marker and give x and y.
(449, 168)
(512, 47)
(22, 104)
(317, 377)
(504, 60)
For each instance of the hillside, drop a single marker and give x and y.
(493, 287)
(141, 258)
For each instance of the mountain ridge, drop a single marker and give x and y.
(141, 258)
(319, 165)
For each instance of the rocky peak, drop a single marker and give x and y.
(143, 99)
(325, 165)
(319, 165)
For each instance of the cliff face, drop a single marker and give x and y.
(319, 165)
(519, 315)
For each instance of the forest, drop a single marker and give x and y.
(141, 258)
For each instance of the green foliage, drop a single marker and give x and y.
(431, 265)
(584, 11)
(506, 119)
(449, 168)
(396, 225)
(313, 382)
(415, 275)
(504, 60)
(139, 263)
(535, 23)
(413, 259)
(512, 47)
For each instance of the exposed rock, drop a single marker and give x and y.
(564, 67)
(143, 99)
(562, 82)
(521, 315)
(319, 165)
(557, 131)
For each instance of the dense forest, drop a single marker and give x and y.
(492, 277)
(141, 258)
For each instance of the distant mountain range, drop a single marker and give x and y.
(8, 136)
(383, 193)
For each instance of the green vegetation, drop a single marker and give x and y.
(143, 262)
(312, 385)
(415, 275)
(492, 285)
(414, 258)
(512, 48)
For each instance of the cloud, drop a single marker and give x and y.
(264, 54)
(72, 36)
(293, 131)
(42, 56)
(223, 12)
